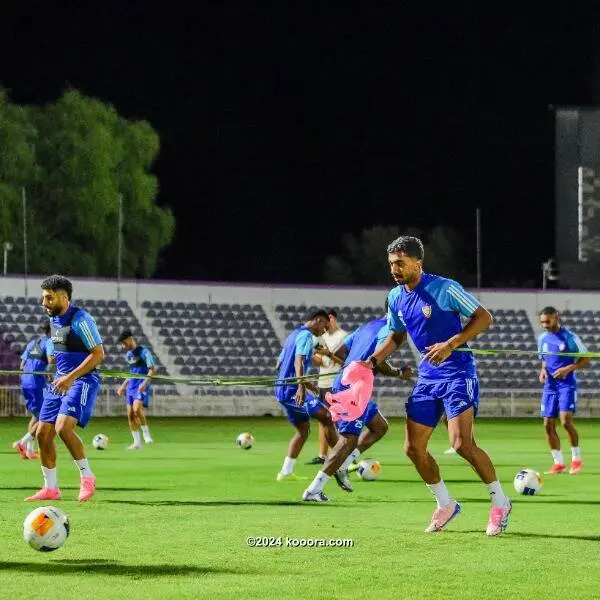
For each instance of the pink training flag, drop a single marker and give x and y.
(351, 403)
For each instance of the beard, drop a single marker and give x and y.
(53, 312)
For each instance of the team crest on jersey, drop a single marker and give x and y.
(426, 311)
(561, 347)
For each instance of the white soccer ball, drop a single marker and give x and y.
(369, 470)
(245, 441)
(46, 528)
(528, 482)
(100, 441)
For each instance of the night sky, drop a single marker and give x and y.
(282, 129)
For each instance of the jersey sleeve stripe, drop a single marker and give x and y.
(463, 300)
(89, 338)
(581, 347)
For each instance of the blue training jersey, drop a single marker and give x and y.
(298, 343)
(431, 314)
(74, 334)
(360, 344)
(564, 340)
(35, 356)
(140, 361)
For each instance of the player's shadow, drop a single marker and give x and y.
(558, 536)
(111, 567)
(388, 480)
(224, 503)
(72, 487)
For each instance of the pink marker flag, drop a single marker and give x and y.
(350, 404)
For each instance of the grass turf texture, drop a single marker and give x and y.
(172, 520)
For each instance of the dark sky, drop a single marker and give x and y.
(282, 129)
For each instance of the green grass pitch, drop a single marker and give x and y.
(172, 521)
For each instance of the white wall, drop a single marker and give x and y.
(135, 292)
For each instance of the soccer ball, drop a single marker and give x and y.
(46, 528)
(245, 441)
(100, 441)
(369, 470)
(528, 482)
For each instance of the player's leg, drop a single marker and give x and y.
(346, 443)
(22, 444)
(139, 407)
(460, 402)
(134, 426)
(423, 412)
(45, 434)
(76, 410)
(299, 418)
(567, 406)
(317, 410)
(549, 413)
(376, 428)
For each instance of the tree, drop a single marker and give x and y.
(85, 157)
(363, 260)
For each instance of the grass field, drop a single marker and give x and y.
(172, 521)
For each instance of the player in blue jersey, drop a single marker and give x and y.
(559, 398)
(429, 307)
(301, 400)
(77, 349)
(353, 441)
(34, 359)
(141, 362)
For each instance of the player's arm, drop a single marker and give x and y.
(391, 343)
(87, 330)
(150, 365)
(299, 370)
(543, 373)
(575, 345)
(455, 298)
(386, 369)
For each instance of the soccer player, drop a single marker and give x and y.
(34, 358)
(429, 308)
(353, 441)
(329, 366)
(77, 349)
(559, 398)
(300, 406)
(141, 362)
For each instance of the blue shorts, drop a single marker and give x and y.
(301, 414)
(78, 402)
(429, 400)
(558, 400)
(133, 393)
(34, 398)
(355, 427)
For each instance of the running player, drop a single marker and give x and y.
(294, 360)
(77, 349)
(559, 398)
(34, 358)
(353, 441)
(141, 362)
(429, 308)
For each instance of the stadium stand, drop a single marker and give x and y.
(207, 330)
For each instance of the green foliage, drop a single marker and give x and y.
(75, 158)
(363, 259)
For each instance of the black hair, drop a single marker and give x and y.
(548, 310)
(409, 245)
(45, 327)
(332, 312)
(58, 283)
(124, 335)
(320, 312)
